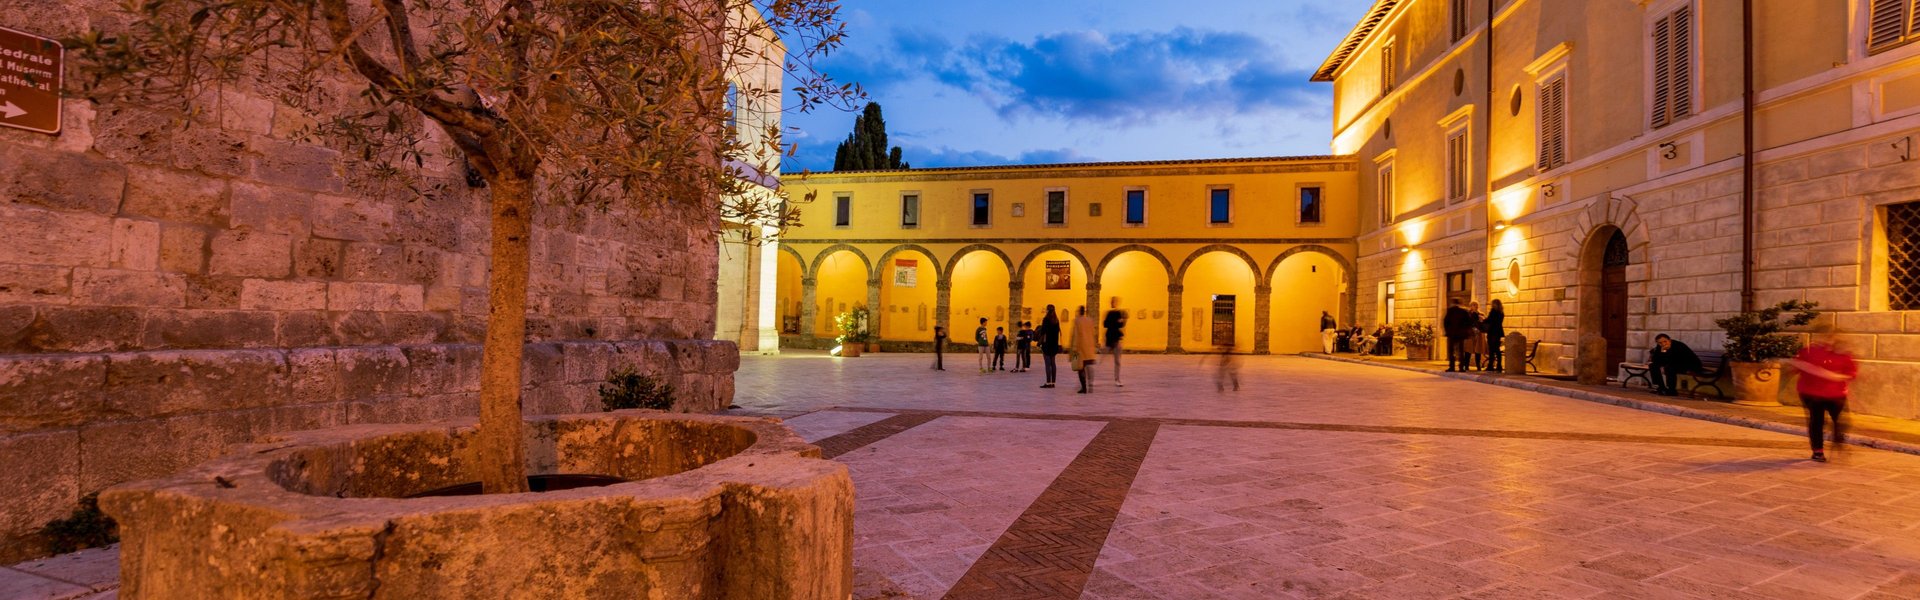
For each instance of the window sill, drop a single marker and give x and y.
(1136, 225)
(1226, 224)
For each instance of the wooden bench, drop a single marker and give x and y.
(1713, 371)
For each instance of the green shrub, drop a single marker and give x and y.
(86, 528)
(1756, 336)
(1414, 333)
(626, 388)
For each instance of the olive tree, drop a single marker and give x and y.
(579, 101)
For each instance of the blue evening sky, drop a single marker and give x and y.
(979, 82)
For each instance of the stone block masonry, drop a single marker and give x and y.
(167, 292)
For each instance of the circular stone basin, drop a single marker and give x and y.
(710, 507)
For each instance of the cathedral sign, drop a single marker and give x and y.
(30, 72)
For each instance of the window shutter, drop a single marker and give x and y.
(1386, 69)
(1662, 71)
(1682, 57)
(1889, 23)
(1553, 127)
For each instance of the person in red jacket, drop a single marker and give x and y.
(1825, 370)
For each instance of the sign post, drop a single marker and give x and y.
(30, 72)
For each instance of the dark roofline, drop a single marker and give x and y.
(1361, 31)
(1138, 163)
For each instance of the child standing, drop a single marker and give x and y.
(1023, 345)
(999, 348)
(986, 346)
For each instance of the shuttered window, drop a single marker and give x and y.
(1386, 68)
(1459, 19)
(1553, 123)
(1386, 207)
(1458, 176)
(1672, 67)
(1891, 24)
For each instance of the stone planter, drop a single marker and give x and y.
(1419, 352)
(715, 507)
(1757, 383)
(851, 350)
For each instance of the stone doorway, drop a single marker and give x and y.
(1223, 311)
(1602, 293)
(1613, 298)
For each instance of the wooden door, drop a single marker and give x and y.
(1613, 300)
(1223, 321)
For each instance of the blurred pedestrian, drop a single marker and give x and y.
(939, 348)
(1456, 325)
(1495, 325)
(1086, 347)
(1115, 324)
(1476, 338)
(1825, 369)
(1049, 339)
(1328, 330)
(1228, 370)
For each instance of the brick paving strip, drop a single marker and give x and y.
(1049, 552)
(1717, 412)
(863, 435)
(1392, 429)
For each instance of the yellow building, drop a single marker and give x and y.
(1613, 170)
(1202, 254)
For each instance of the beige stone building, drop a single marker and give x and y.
(1624, 168)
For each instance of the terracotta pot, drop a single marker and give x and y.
(873, 347)
(1419, 352)
(850, 350)
(1757, 383)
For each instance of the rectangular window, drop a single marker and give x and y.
(1387, 208)
(1460, 19)
(1388, 311)
(1386, 68)
(1891, 24)
(733, 106)
(1219, 206)
(1903, 256)
(1136, 207)
(1459, 287)
(1310, 204)
(982, 209)
(1672, 84)
(909, 211)
(842, 210)
(1459, 170)
(1056, 207)
(1552, 123)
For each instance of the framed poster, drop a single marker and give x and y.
(1059, 274)
(906, 272)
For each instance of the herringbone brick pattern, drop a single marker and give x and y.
(873, 432)
(1050, 551)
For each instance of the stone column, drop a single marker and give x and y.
(875, 316)
(1173, 318)
(1262, 317)
(1016, 301)
(943, 304)
(1093, 300)
(808, 309)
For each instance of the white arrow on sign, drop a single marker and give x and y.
(12, 111)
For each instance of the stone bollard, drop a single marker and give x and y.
(1590, 364)
(1513, 349)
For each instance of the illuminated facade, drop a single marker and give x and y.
(744, 303)
(1203, 254)
(1623, 168)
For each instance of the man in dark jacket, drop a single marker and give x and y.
(1668, 360)
(1049, 338)
(1457, 325)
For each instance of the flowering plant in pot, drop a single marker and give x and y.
(1417, 336)
(854, 333)
(1755, 345)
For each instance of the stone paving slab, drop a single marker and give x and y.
(92, 574)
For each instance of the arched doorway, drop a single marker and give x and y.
(1217, 293)
(789, 295)
(979, 282)
(908, 295)
(1304, 285)
(1139, 280)
(1056, 277)
(1613, 298)
(840, 285)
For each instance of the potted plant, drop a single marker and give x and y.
(1417, 336)
(1755, 345)
(854, 335)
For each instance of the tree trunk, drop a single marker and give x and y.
(503, 453)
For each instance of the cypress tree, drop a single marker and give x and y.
(866, 148)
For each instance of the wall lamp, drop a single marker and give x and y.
(1406, 249)
(1499, 225)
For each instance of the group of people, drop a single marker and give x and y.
(1083, 345)
(1473, 338)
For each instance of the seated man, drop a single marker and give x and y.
(1363, 345)
(1669, 359)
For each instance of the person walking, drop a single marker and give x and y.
(1456, 325)
(1086, 346)
(985, 345)
(1495, 327)
(1229, 369)
(999, 349)
(1023, 347)
(939, 348)
(1668, 359)
(1825, 369)
(1049, 339)
(1476, 339)
(1115, 323)
(1328, 330)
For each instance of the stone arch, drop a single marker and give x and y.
(954, 261)
(1149, 250)
(1253, 266)
(1035, 254)
(797, 259)
(938, 274)
(1336, 256)
(821, 257)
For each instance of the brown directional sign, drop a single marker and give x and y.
(29, 81)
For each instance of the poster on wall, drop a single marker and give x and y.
(906, 272)
(1059, 275)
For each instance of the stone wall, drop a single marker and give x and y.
(167, 291)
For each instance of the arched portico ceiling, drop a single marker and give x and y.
(1035, 254)
(954, 261)
(1252, 266)
(938, 273)
(1148, 250)
(830, 250)
(1337, 259)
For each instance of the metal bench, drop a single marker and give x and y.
(1630, 371)
(1532, 351)
(1713, 371)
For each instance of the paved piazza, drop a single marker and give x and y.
(1321, 479)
